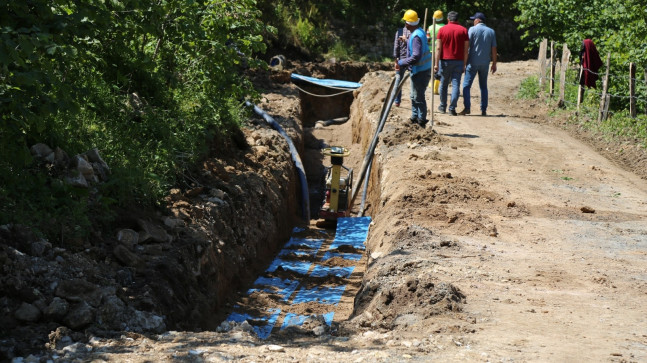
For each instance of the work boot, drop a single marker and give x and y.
(466, 111)
(441, 110)
(452, 113)
(413, 120)
(483, 113)
(422, 123)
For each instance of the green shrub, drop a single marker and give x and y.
(529, 88)
(150, 86)
(340, 51)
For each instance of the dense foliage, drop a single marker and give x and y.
(618, 27)
(314, 27)
(147, 83)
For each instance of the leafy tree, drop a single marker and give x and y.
(616, 27)
(146, 82)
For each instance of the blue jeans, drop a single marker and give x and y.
(450, 70)
(470, 74)
(398, 97)
(419, 82)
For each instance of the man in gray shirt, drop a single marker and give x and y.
(482, 50)
(400, 51)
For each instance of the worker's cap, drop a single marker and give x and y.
(479, 16)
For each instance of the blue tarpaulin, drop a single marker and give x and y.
(350, 232)
(325, 82)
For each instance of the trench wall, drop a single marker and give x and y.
(234, 225)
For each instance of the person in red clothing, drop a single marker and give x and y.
(451, 58)
(591, 62)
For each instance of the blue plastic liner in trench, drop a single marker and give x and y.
(350, 232)
(262, 324)
(292, 319)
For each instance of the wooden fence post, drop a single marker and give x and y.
(552, 69)
(605, 88)
(542, 62)
(607, 102)
(566, 56)
(632, 89)
(580, 88)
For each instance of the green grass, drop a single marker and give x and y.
(340, 51)
(618, 127)
(529, 88)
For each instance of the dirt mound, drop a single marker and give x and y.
(399, 290)
(411, 135)
(403, 303)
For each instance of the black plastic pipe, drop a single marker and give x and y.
(305, 194)
(368, 158)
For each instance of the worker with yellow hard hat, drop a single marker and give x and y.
(431, 33)
(420, 63)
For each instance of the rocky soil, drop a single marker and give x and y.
(512, 237)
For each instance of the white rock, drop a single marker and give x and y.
(275, 348)
(77, 348)
(320, 330)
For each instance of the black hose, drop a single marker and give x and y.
(395, 81)
(364, 189)
(305, 207)
(371, 149)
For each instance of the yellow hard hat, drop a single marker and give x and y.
(411, 17)
(438, 15)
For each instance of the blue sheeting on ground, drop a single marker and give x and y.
(302, 247)
(296, 266)
(298, 320)
(323, 295)
(346, 256)
(275, 285)
(262, 330)
(323, 271)
(325, 82)
(308, 243)
(350, 232)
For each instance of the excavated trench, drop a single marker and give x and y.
(314, 278)
(222, 226)
(241, 206)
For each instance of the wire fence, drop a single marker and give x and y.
(573, 94)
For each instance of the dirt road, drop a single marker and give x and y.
(552, 236)
(497, 238)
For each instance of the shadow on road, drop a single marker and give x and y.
(466, 136)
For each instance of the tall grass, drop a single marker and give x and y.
(619, 126)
